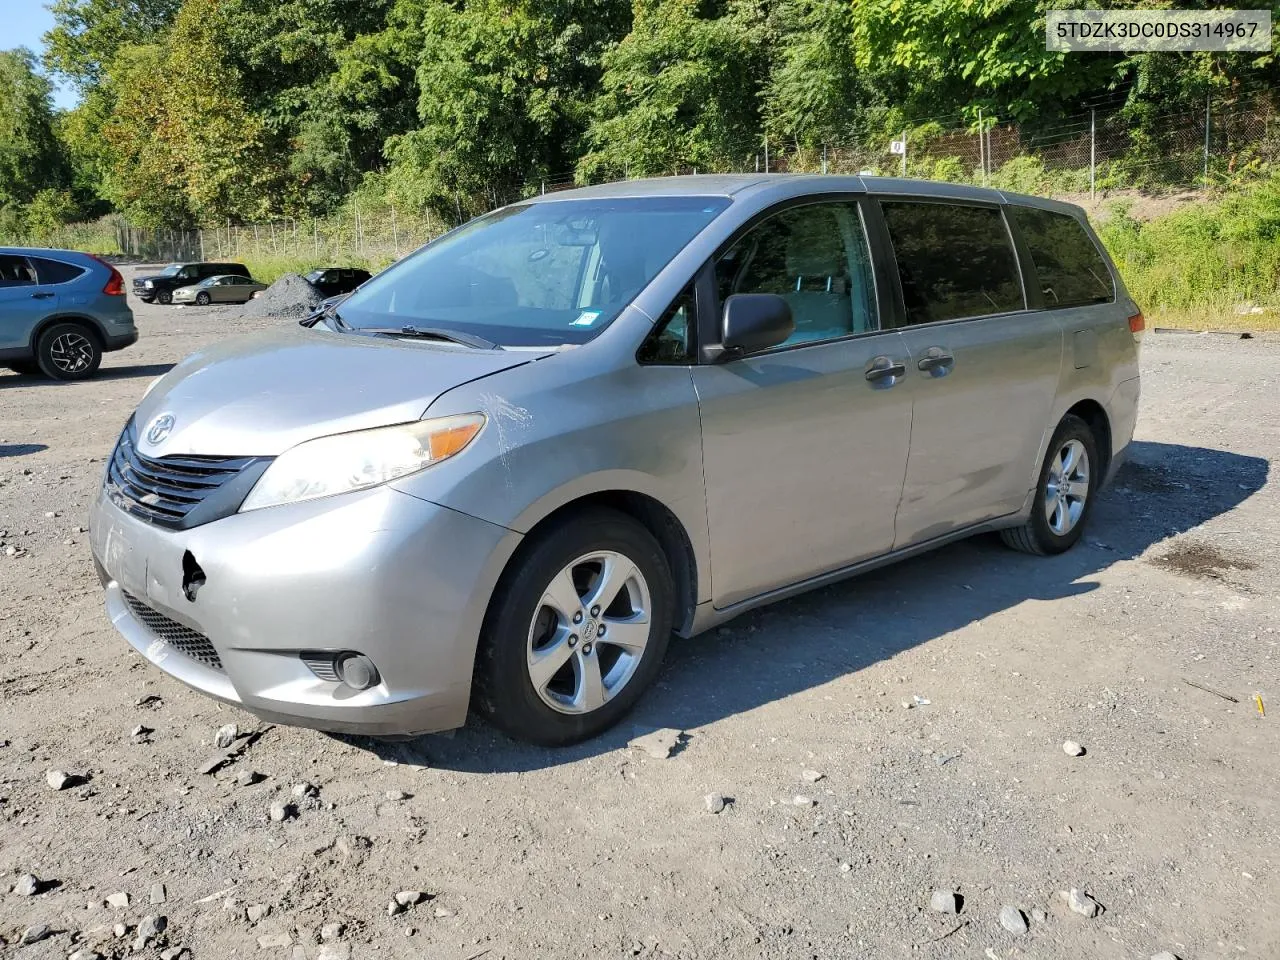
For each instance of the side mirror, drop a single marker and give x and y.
(754, 322)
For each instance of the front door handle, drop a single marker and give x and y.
(883, 369)
(936, 361)
(41, 296)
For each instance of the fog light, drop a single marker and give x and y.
(356, 670)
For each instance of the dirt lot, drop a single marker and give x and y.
(1170, 819)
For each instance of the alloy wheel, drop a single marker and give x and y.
(589, 632)
(1066, 488)
(71, 352)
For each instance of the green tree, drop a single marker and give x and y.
(87, 34)
(504, 91)
(681, 90)
(30, 157)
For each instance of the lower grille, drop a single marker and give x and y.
(183, 639)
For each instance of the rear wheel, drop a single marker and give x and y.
(1064, 493)
(68, 351)
(165, 297)
(576, 630)
(202, 298)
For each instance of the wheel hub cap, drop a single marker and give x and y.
(1067, 488)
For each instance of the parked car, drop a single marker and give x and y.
(332, 281)
(503, 471)
(160, 286)
(60, 311)
(223, 289)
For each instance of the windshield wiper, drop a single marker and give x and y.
(433, 333)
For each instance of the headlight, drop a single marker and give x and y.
(366, 458)
(148, 283)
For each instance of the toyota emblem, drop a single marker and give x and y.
(160, 428)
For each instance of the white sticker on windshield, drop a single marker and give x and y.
(586, 318)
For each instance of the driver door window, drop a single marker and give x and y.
(816, 258)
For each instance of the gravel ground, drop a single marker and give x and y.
(844, 809)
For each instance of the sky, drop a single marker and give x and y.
(24, 23)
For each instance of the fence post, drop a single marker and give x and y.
(904, 153)
(824, 158)
(766, 153)
(982, 149)
(395, 231)
(315, 234)
(202, 256)
(1093, 153)
(1207, 97)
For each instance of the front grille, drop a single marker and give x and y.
(166, 491)
(183, 639)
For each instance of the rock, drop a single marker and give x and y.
(27, 885)
(444, 913)
(332, 930)
(247, 778)
(714, 802)
(1083, 904)
(944, 901)
(255, 912)
(1163, 955)
(659, 744)
(281, 811)
(140, 731)
(302, 791)
(35, 933)
(212, 765)
(801, 801)
(407, 898)
(149, 700)
(175, 953)
(151, 927)
(87, 954)
(410, 931)
(158, 893)
(393, 908)
(118, 930)
(118, 900)
(1039, 916)
(271, 941)
(1072, 749)
(226, 736)
(397, 795)
(60, 780)
(812, 776)
(1012, 919)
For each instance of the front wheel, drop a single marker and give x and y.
(202, 299)
(576, 630)
(165, 297)
(1064, 493)
(68, 351)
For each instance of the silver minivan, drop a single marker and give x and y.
(505, 470)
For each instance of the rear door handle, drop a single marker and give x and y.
(936, 361)
(883, 368)
(41, 296)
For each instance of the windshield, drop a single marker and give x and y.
(535, 274)
(313, 276)
(171, 270)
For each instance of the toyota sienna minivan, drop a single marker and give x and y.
(505, 470)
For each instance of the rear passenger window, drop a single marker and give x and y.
(1068, 264)
(954, 260)
(815, 257)
(55, 271)
(15, 271)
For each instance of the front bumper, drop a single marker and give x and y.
(401, 580)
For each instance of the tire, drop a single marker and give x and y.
(147, 299)
(69, 351)
(202, 299)
(530, 630)
(28, 368)
(165, 297)
(1058, 516)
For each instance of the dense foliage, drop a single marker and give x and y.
(209, 111)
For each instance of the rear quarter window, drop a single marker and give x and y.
(954, 260)
(1068, 264)
(55, 271)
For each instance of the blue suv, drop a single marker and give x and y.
(60, 311)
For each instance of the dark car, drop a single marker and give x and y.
(332, 281)
(60, 311)
(160, 286)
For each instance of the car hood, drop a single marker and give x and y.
(151, 276)
(262, 394)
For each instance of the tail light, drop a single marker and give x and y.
(115, 283)
(1137, 323)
